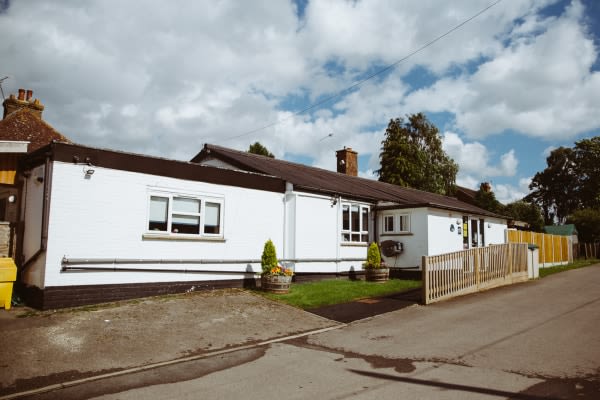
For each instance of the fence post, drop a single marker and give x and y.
(425, 283)
(476, 266)
(510, 259)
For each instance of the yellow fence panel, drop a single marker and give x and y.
(554, 249)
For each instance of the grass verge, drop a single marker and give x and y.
(560, 268)
(336, 291)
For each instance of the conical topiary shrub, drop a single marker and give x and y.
(274, 278)
(268, 260)
(375, 270)
(373, 256)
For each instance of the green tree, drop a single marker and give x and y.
(556, 188)
(587, 160)
(587, 222)
(526, 212)
(412, 156)
(259, 149)
(486, 199)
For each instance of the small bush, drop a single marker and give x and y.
(268, 260)
(373, 256)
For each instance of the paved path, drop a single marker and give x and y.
(55, 347)
(530, 341)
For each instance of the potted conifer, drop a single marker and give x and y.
(275, 278)
(375, 269)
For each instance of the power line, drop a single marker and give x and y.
(379, 72)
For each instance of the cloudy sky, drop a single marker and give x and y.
(165, 77)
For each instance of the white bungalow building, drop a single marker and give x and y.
(100, 225)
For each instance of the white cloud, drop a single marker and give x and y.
(163, 78)
(506, 193)
(548, 150)
(474, 158)
(541, 85)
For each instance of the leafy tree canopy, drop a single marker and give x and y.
(259, 149)
(571, 181)
(412, 156)
(587, 222)
(526, 212)
(587, 159)
(486, 199)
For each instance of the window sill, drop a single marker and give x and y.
(191, 238)
(396, 234)
(354, 244)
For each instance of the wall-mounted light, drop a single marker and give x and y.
(12, 198)
(451, 227)
(88, 171)
(334, 201)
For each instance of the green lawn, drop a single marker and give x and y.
(335, 291)
(560, 268)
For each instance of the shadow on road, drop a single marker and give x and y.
(360, 309)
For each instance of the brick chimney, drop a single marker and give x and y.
(486, 187)
(347, 161)
(24, 100)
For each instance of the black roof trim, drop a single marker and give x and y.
(131, 162)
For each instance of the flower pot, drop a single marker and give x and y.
(377, 274)
(279, 284)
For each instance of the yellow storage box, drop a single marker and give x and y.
(8, 274)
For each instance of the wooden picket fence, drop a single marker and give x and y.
(468, 271)
(554, 249)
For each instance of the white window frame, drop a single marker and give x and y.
(401, 223)
(362, 232)
(202, 215)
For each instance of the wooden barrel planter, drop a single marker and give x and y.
(377, 274)
(279, 284)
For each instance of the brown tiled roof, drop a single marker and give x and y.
(24, 125)
(324, 181)
(465, 194)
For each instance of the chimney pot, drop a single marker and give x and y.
(24, 100)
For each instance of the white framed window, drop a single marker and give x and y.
(397, 223)
(388, 224)
(174, 214)
(355, 223)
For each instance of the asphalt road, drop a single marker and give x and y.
(537, 340)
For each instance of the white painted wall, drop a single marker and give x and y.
(215, 162)
(441, 240)
(430, 234)
(494, 231)
(415, 243)
(317, 235)
(33, 194)
(105, 217)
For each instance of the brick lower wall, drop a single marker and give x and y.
(73, 296)
(55, 297)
